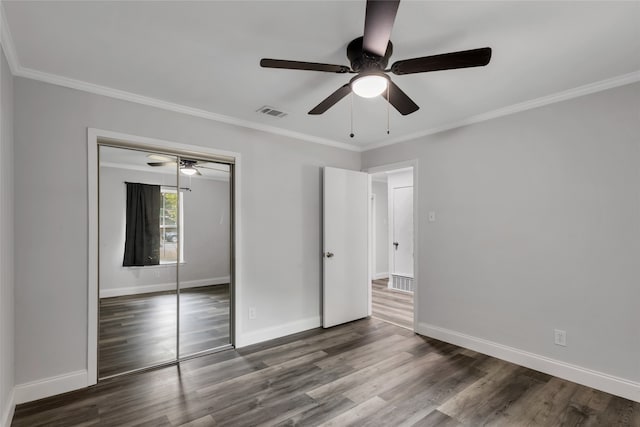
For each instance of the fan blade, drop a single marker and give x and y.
(400, 100)
(161, 163)
(445, 61)
(331, 100)
(299, 65)
(378, 24)
(197, 172)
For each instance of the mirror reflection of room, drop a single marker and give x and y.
(204, 275)
(164, 258)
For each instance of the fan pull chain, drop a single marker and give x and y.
(351, 134)
(388, 103)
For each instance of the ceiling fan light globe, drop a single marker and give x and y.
(369, 86)
(188, 170)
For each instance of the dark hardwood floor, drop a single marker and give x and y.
(390, 305)
(365, 373)
(137, 331)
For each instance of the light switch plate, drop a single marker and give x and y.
(560, 337)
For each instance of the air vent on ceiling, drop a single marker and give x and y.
(270, 111)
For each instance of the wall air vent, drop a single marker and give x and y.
(270, 111)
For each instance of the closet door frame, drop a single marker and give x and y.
(96, 138)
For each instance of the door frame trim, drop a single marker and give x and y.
(373, 258)
(94, 136)
(413, 163)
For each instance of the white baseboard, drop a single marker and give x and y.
(51, 386)
(273, 332)
(378, 276)
(8, 411)
(161, 287)
(588, 377)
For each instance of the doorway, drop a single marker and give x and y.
(392, 237)
(165, 265)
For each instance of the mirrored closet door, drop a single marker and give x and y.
(204, 277)
(164, 258)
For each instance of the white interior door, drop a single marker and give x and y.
(403, 231)
(346, 279)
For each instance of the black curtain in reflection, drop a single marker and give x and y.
(142, 244)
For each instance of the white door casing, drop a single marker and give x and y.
(93, 137)
(346, 254)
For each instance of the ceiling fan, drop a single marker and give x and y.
(369, 56)
(187, 167)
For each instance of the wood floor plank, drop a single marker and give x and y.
(205, 421)
(497, 406)
(344, 383)
(394, 377)
(365, 373)
(469, 400)
(437, 419)
(321, 412)
(544, 406)
(371, 353)
(240, 383)
(390, 305)
(266, 412)
(354, 415)
(620, 413)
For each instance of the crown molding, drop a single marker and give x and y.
(576, 92)
(20, 71)
(7, 43)
(171, 106)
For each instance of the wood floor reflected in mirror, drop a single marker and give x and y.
(137, 331)
(204, 318)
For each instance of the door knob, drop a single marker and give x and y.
(329, 254)
(396, 245)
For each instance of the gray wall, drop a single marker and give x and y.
(537, 227)
(381, 228)
(281, 201)
(6, 238)
(206, 232)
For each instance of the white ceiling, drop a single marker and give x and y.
(205, 55)
(138, 160)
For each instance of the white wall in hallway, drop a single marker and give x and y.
(381, 230)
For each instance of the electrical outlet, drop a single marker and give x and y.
(560, 337)
(252, 313)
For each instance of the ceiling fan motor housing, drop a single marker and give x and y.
(363, 61)
(370, 65)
